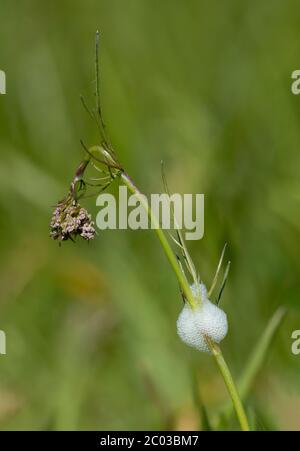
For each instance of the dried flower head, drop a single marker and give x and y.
(69, 220)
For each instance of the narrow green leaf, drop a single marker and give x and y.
(260, 352)
(256, 360)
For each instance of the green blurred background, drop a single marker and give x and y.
(91, 328)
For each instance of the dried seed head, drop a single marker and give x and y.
(69, 220)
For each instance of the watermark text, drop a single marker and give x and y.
(174, 211)
(2, 82)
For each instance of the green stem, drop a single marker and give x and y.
(215, 350)
(162, 238)
(257, 358)
(236, 400)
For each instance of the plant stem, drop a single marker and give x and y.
(236, 400)
(257, 358)
(162, 238)
(215, 349)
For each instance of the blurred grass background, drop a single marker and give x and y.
(204, 85)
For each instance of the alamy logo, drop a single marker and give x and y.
(2, 82)
(2, 342)
(295, 87)
(169, 212)
(296, 342)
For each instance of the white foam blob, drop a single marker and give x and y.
(205, 319)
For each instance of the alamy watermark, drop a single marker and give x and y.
(295, 348)
(174, 211)
(2, 342)
(295, 86)
(2, 333)
(2, 82)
